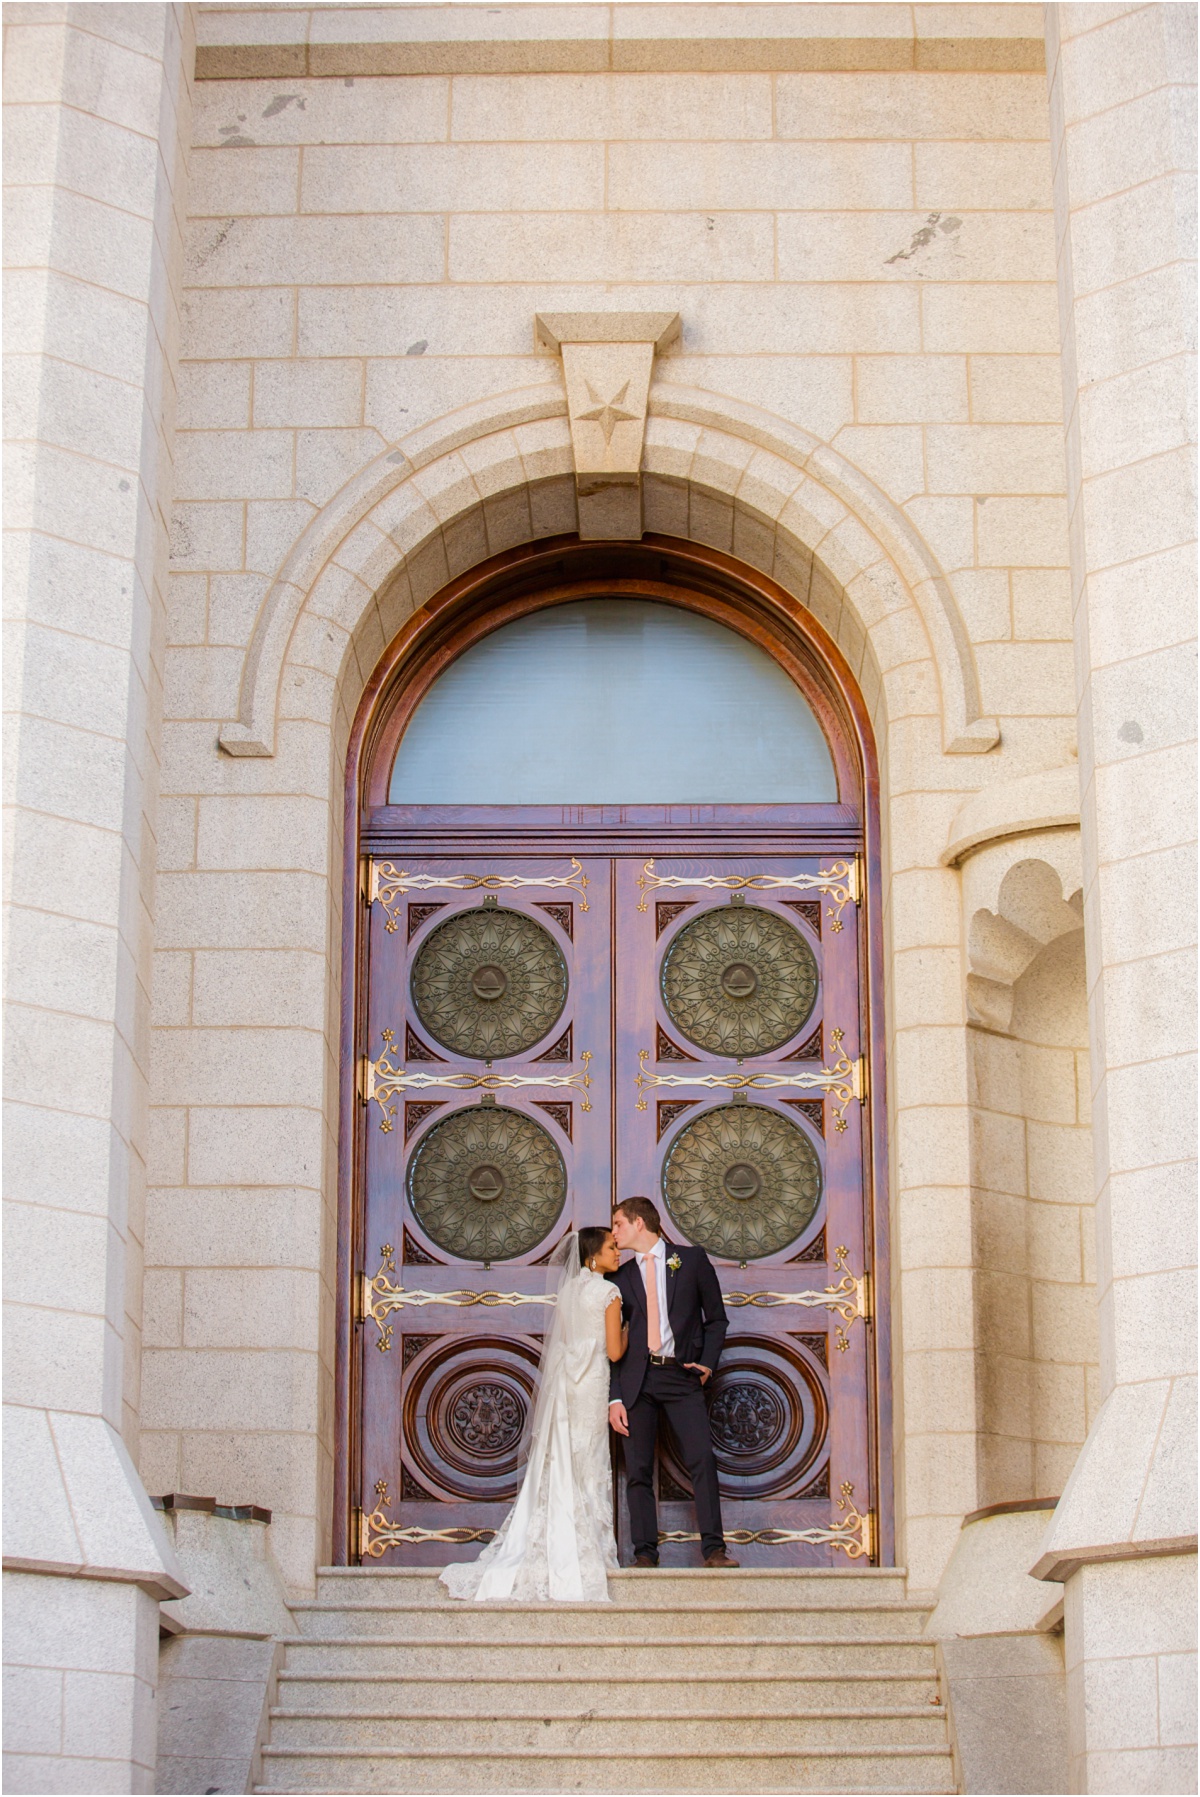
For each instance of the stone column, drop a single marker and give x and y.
(96, 124)
(1122, 139)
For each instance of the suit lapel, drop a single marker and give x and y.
(674, 1293)
(637, 1285)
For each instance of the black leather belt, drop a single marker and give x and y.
(663, 1360)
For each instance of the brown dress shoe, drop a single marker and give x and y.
(649, 1560)
(720, 1559)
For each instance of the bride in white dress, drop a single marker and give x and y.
(557, 1543)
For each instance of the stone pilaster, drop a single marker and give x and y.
(97, 123)
(1122, 139)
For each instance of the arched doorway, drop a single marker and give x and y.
(612, 833)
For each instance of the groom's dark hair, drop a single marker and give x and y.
(640, 1210)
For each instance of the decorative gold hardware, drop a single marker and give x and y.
(376, 1533)
(378, 1298)
(381, 1081)
(371, 1297)
(839, 883)
(845, 1080)
(381, 1490)
(389, 884)
(852, 1533)
(849, 1299)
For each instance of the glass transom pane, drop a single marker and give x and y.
(613, 702)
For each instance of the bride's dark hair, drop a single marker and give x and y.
(590, 1242)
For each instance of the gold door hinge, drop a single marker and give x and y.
(365, 1081)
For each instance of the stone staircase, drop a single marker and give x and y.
(690, 1681)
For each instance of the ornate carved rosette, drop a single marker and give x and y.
(739, 981)
(746, 1419)
(467, 1399)
(485, 1419)
(489, 983)
(742, 1181)
(488, 1184)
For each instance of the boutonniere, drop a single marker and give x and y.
(674, 1263)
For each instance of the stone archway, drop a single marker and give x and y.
(493, 477)
(716, 472)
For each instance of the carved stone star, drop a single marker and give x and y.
(608, 413)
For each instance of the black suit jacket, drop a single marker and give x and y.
(694, 1309)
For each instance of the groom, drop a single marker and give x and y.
(671, 1300)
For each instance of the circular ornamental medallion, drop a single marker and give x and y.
(489, 983)
(487, 1184)
(746, 1418)
(739, 980)
(742, 1181)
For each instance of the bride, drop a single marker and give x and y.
(557, 1540)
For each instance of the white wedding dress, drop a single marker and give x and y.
(557, 1543)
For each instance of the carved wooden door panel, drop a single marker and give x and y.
(543, 1036)
(486, 1081)
(739, 1082)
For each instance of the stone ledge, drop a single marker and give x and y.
(256, 42)
(234, 1585)
(74, 1505)
(1132, 1494)
(185, 1500)
(986, 1589)
(1048, 800)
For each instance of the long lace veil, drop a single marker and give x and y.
(547, 1537)
(548, 1485)
(564, 1285)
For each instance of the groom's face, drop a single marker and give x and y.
(623, 1230)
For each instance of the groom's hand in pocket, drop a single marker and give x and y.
(618, 1418)
(705, 1372)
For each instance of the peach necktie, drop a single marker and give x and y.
(653, 1328)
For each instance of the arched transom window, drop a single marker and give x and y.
(613, 702)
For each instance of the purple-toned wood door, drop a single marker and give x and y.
(489, 1136)
(545, 1035)
(738, 1086)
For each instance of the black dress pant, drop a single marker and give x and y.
(678, 1392)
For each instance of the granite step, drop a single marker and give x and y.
(735, 1732)
(757, 1774)
(714, 1617)
(688, 1681)
(535, 1658)
(389, 1585)
(574, 1694)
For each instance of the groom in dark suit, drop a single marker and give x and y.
(671, 1300)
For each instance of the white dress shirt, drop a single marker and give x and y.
(658, 1264)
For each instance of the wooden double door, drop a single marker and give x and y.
(545, 1034)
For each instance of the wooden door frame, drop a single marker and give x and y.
(556, 571)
